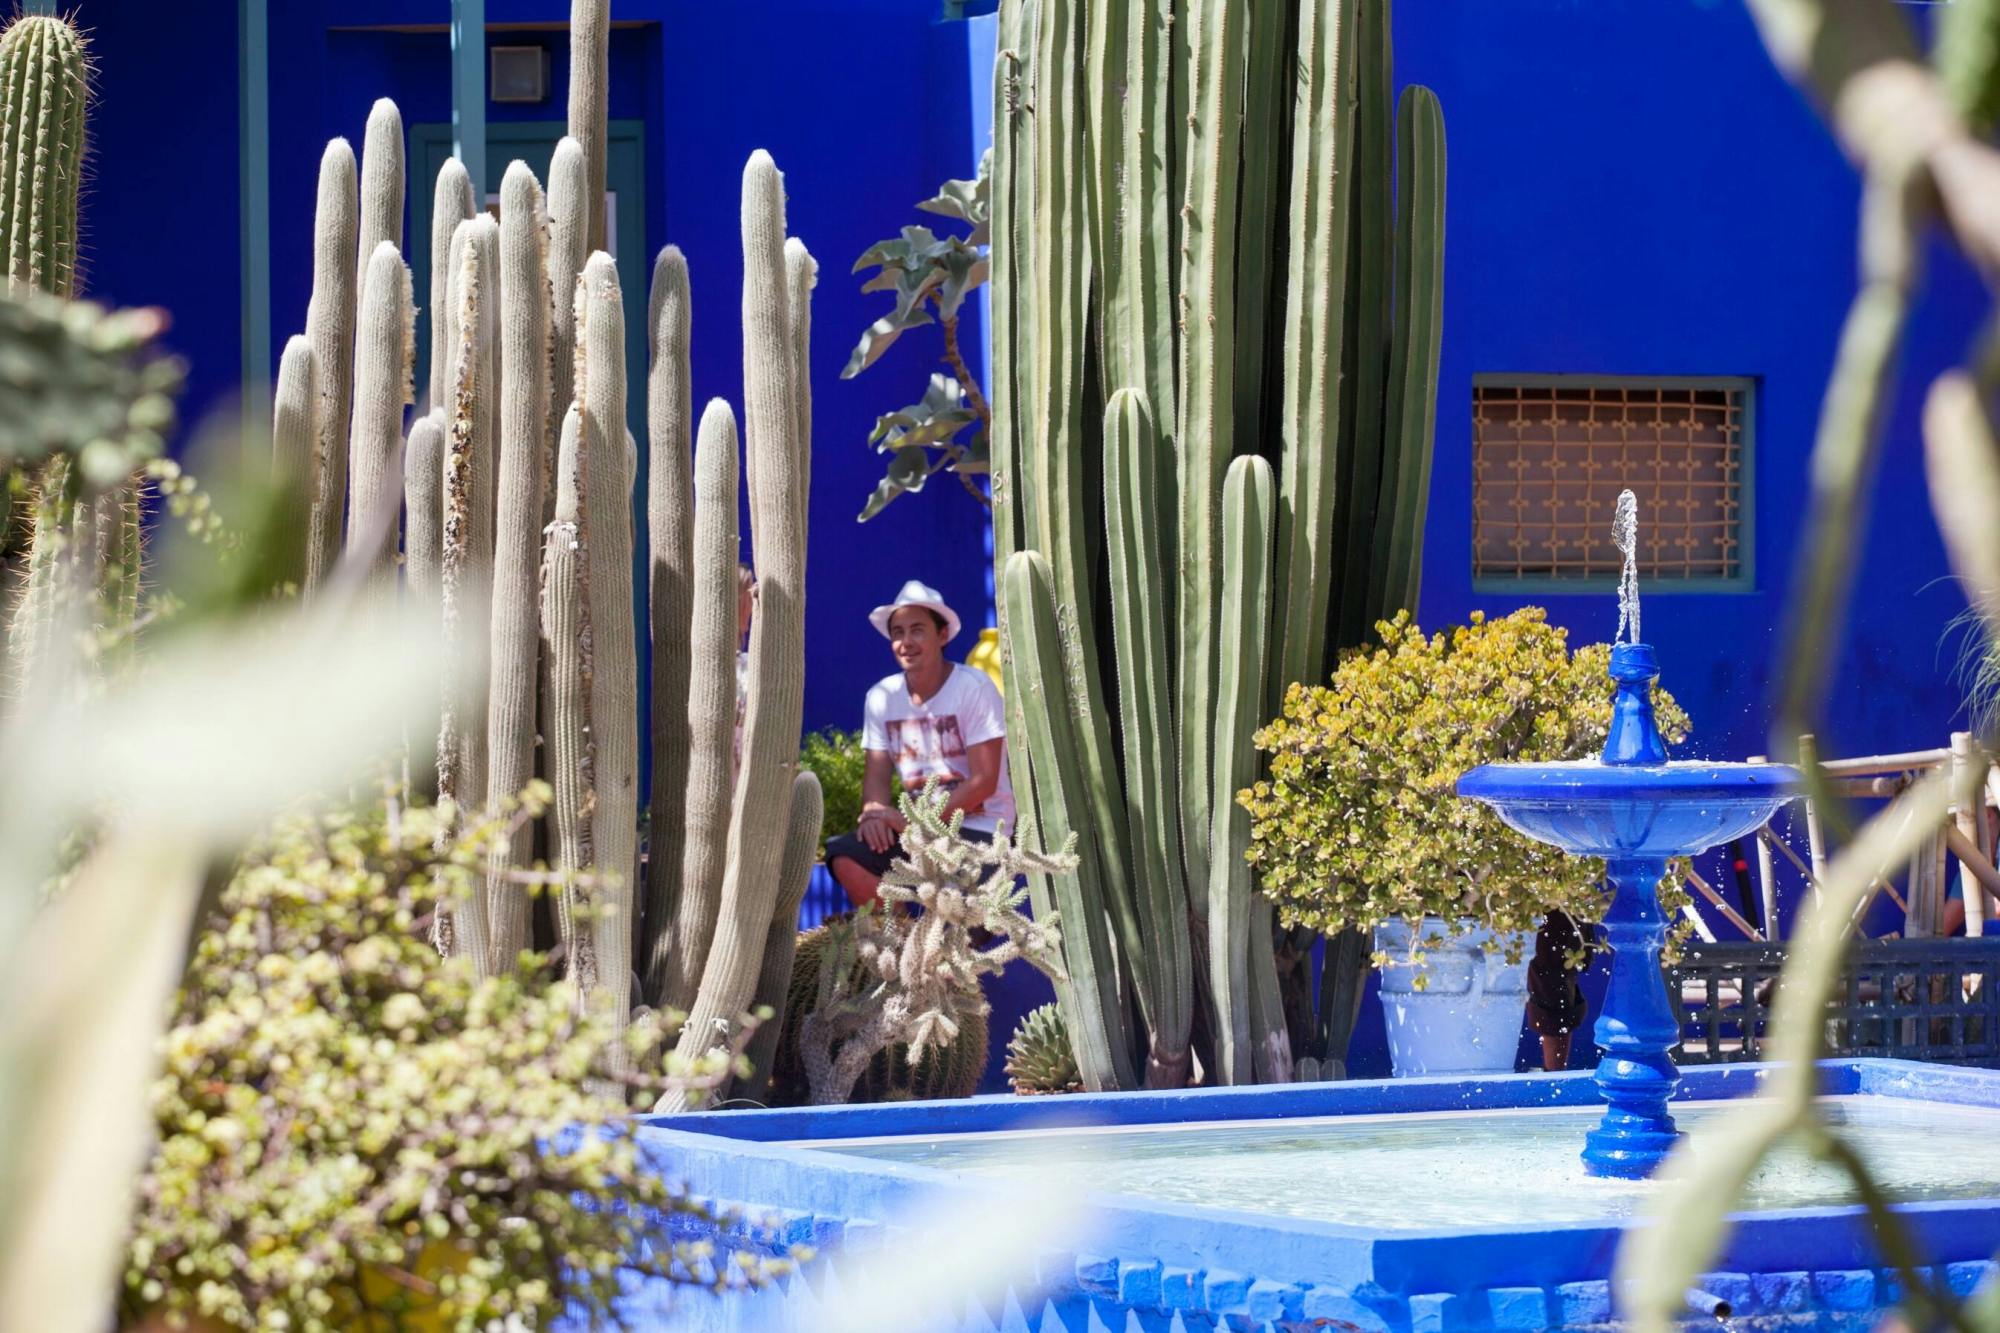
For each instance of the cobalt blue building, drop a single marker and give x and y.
(1641, 213)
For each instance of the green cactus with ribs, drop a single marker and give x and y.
(1215, 346)
(88, 398)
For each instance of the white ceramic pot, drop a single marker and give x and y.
(1467, 1018)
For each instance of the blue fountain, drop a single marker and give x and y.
(1636, 810)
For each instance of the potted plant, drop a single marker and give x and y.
(1357, 824)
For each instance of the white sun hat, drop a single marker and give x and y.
(916, 593)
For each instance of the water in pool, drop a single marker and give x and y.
(1451, 1169)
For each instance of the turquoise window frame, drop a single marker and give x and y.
(1744, 581)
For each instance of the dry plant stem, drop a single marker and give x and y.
(516, 629)
(670, 520)
(980, 407)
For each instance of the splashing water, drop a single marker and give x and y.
(1625, 532)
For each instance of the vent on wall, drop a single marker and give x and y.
(519, 73)
(1551, 453)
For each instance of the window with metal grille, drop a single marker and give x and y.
(1550, 455)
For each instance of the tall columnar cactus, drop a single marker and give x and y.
(467, 573)
(614, 691)
(777, 475)
(566, 648)
(44, 86)
(1242, 306)
(671, 572)
(292, 452)
(330, 329)
(382, 185)
(451, 204)
(569, 245)
(517, 552)
(384, 354)
(681, 922)
(589, 104)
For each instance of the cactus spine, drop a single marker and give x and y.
(777, 471)
(330, 329)
(515, 654)
(385, 351)
(1208, 348)
(671, 525)
(44, 86)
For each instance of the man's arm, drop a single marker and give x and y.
(984, 761)
(880, 820)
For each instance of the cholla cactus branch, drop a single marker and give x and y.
(895, 977)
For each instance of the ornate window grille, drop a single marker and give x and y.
(1551, 454)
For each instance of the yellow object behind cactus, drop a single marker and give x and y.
(985, 655)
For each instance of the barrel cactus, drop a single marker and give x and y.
(1038, 1056)
(1215, 375)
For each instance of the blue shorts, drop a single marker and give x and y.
(850, 847)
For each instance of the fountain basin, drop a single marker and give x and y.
(1211, 1257)
(1590, 808)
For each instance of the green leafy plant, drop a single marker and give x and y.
(1358, 822)
(931, 276)
(835, 757)
(353, 1130)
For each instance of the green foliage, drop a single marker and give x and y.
(835, 757)
(931, 275)
(1358, 821)
(350, 1126)
(1039, 1058)
(78, 380)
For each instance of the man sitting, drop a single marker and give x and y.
(932, 719)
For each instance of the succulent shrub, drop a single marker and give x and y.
(352, 1129)
(835, 757)
(1039, 1058)
(1358, 822)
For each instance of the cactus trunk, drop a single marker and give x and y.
(451, 204)
(566, 646)
(709, 714)
(751, 889)
(670, 520)
(781, 938)
(1168, 249)
(330, 329)
(383, 352)
(515, 654)
(44, 85)
(292, 455)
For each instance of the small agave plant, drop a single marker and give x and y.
(1039, 1058)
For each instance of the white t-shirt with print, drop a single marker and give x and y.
(930, 739)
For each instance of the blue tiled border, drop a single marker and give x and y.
(1200, 1268)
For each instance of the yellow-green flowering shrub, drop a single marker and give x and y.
(355, 1133)
(1358, 822)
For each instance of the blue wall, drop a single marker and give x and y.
(863, 103)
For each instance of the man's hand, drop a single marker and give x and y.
(880, 827)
